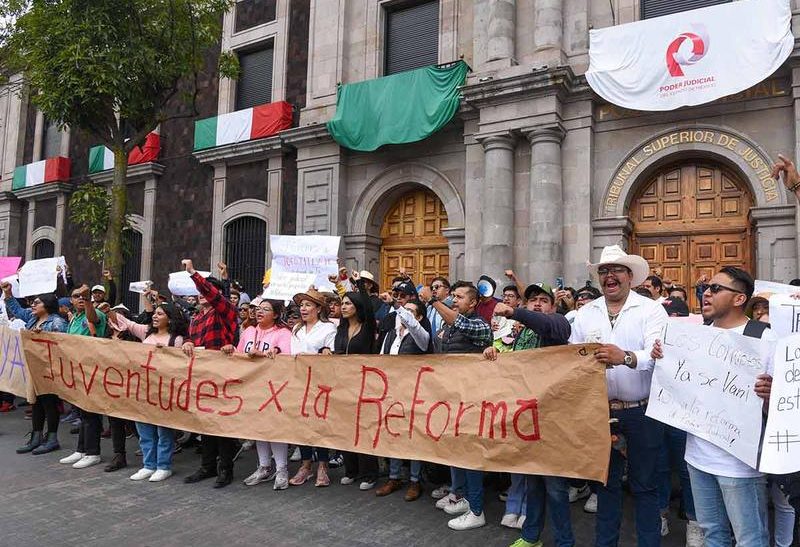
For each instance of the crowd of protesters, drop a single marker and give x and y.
(722, 498)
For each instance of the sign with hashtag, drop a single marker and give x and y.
(780, 453)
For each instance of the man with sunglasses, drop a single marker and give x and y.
(628, 326)
(86, 321)
(727, 492)
(440, 289)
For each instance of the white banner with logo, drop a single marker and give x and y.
(692, 57)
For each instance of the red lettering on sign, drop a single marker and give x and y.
(494, 409)
(88, 386)
(274, 396)
(187, 385)
(370, 400)
(324, 391)
(48, 344)
(460, 414)
(147, 368)
(431, 410)
(390, 415)
(214, 394)
(138, 376)
(415, 401)
(303, 412)
(526, 405)
(238, 408)
(107, 382)
(168, 406)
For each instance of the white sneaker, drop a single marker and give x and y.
(576, 494)
(509, 520)
(591, 504)
(664, 526)
(160, 475)
(467, 521)
(86, 461)
(445, 501)
(72, 458)
(694, 534)
(142, 474)
(281, 479)
(520, 522)
(457, 507)
(261, 474)
(366, 485)
(344, 481)
(296, 456)
(441, 492)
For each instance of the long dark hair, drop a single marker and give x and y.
(323, 314)
(279, 311)
(176, 321)
(50, 303)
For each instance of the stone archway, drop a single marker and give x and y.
(364, 222)
(771, 214)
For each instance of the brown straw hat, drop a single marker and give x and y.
(311, 294)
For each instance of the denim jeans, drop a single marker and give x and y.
(644, 438)
(458, 482)
(394, 469)
(516, 504)
(553, 493)
(725, 502)
(472, 484)
(784, 516)
(672, 460)
(157, 444)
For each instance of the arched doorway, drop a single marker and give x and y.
(412, 238)
(692, 218)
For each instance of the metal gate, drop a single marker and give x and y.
(131, 269)
(245, 252)
(44, 248)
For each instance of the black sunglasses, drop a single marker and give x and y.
(716, 287)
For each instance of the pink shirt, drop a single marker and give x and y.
(258, 339)
(140, 331)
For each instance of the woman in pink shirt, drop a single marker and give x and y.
(267, 338)
(168, 327)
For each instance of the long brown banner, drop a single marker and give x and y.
(539, 412)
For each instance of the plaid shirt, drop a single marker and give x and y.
(216, 326)
(475, 329)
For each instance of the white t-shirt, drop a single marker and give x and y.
(711, 459)
(320, 336)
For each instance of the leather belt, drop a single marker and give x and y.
(625, 405)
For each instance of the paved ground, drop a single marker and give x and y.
(45, 503)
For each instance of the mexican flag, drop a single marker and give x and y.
(243, 125)
(101, 158)
(50, 170)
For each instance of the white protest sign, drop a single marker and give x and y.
(38, 276)
(704, 386)
(784, 314)
(14, 280)
(771, 287)
(284, 285)
(305, 254)
(62, 264)
(780, 453)
(181, 283)
(139, 286)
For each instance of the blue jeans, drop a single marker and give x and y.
(458, 482)
(783, 522)
(725, 502)
(394, 469)
(157, 444)
(552, 492)
(516, 504)
(644, 438)
(672, 459)
(472, 484)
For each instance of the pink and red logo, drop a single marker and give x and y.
(687, 49)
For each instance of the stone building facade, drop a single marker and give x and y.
(535, 173)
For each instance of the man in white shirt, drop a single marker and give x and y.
(727, 492)
(627, 325)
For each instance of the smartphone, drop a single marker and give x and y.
(560, 283)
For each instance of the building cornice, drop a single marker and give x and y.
(540, 82)
(136, 173)
(307, 135)
(242, 152)
(47, 189)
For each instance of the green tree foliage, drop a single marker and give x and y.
(113, 68)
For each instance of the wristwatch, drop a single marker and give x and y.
(628, 360)
(432, 299)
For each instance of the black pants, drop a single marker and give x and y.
(89, 435)
(361, 466)
(6, 397)
(45, 408)
(217, 447)
(118, 433)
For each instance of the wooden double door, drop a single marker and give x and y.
(691, 219)
(412, 239)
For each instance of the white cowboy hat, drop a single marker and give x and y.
(614, 254)
(364, 274)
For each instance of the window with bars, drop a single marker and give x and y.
(657, 8)
(44, 248)
(255, 78)
(131, 269)
(411, 37)
(51, 140)
(245, 252)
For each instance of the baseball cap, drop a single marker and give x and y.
(406, 288)
(99, 288)
(539, 288)
(676, 307)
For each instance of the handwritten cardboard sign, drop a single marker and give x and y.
(284, 285)
(540, 411)
(14, 375)
(784, 314)
(704, 385)
(305, 254)
(780, 453)
(771, 287)
(181, 283)
(38, 276)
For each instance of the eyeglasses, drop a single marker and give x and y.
(36, 302)
(436, 287)
(716, 287)
(78, 297)
(605, 270)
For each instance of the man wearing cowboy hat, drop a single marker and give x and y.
(627, 325)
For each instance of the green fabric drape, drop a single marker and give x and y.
(397, 109)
